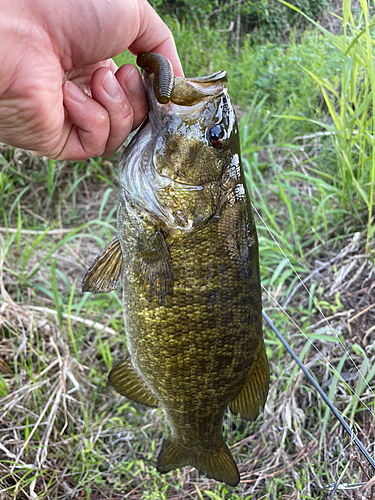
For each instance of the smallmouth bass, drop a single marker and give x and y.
(187, 255)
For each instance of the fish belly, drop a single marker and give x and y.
(195, 352)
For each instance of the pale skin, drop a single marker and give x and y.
(61, 95)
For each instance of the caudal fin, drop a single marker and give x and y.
(217, 464)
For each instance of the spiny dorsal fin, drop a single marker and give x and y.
(126, 381)
(254, 394)
(105, 273)
(217, 464)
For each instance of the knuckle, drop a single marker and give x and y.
(101, 119)
(125, 110)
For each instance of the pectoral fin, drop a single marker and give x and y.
(105, 273)
(126, 381)
(155, 271)
(254, 394)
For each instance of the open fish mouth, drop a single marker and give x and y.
(166, 87)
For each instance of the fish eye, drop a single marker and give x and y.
(215, 136)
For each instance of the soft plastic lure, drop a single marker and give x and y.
(163, 74)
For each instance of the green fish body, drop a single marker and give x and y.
(187, 254)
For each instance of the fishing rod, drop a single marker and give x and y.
(321, 392)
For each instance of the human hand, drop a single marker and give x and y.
(53, 51)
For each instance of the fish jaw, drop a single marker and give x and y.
(139, 180)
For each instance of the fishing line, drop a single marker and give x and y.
(338, 375)
(312, 297)
(321, 392)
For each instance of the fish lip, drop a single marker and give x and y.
(186, 91)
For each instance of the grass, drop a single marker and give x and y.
(63, 432)
(350, 107)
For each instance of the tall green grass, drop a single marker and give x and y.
(351, 107)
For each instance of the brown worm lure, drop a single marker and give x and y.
(163, 74)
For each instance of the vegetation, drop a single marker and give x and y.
(264, 20)
(307, 132)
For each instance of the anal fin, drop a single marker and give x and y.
(217, 464)
(253, 395)
(126, 381)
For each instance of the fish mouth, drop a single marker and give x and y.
(186, 91)
(167, 88)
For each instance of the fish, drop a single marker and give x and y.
(187, 256)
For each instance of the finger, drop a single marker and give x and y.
(96, 33)
(86, 129)
(155, 36)
(113, 66)
(130, 80)
(81, 76)
(168, 49)
(107, 91)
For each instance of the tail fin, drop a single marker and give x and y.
(216, 464)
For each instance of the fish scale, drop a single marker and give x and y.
(190, 271)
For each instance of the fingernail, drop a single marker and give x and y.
(110, 85)
(133, 82)
(74, 92)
